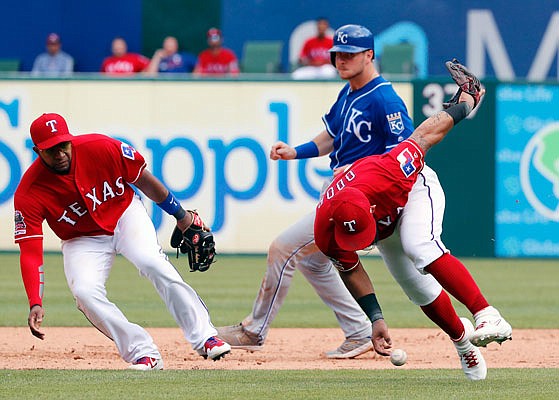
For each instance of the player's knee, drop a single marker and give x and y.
(86, 296)
(421, 289)
(278, 249)
(423, 253)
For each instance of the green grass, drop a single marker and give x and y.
(503, 384)
(524, 290)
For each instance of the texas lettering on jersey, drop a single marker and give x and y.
(86, 202)
(96, 198)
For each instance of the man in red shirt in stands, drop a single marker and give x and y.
(122, 62)
(216, 59)
(315, 56)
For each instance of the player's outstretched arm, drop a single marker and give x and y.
(360, 285)
(435, 128)
(469, 94)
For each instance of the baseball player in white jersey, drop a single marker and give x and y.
(81, 186)
(369, 118)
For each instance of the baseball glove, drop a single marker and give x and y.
(196, 242)
(466, 81)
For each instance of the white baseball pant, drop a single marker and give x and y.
(88, 261)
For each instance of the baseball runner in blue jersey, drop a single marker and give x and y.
(369, 118)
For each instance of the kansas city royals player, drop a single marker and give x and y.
(80, 186)
(369, 118)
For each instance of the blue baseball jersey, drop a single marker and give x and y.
(367, 121)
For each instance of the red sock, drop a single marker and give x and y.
(457, 280)
(442, 313)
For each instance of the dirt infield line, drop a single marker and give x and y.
(294, 349)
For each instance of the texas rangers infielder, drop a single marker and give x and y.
(363, 203)
(81, 186)
(369, 118)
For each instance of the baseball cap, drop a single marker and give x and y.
(53, 38)
(214, 34)
(48, 130)
(350, 212)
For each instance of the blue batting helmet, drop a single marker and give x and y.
(351, 39)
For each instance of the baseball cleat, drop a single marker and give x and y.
(215, 348)
(147, 364)
(351, 348)
(239, 338)
(490, 327)
(202, 353)
(471, 359)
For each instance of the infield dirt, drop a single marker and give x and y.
(285, 348)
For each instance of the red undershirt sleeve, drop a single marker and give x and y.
(31, 263)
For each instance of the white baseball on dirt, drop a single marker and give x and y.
(398, 357)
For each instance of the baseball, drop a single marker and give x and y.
(398, 357)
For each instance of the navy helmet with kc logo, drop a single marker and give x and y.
(351, 39)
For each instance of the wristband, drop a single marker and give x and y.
(307, 150)
(172, 207)
(369, 304)
(458, 112)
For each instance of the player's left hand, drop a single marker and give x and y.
(35, 320)
(196, 241)
(381, 338)
(341, 169)
(191, 218)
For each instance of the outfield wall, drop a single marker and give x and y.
(209, 142)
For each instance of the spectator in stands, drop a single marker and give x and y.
(122, 62)
(315, 57)
(54, 61)
(168, 58)
(216, 59)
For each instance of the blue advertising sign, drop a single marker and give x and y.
(527, 171)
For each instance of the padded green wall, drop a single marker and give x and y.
(187, 20)
(465, 164)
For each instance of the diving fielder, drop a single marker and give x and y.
(369, 118)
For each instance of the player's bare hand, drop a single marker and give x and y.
(35, 320)
(468, 98)
(191, 218)
(381, 338)
(339, 170)
(282, 151)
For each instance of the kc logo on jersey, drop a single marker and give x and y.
(355, 125)
(405, 158)
(395, 122)
(20, 227)
(128, 151)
